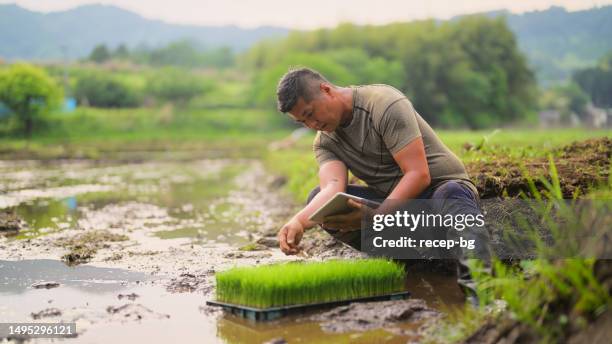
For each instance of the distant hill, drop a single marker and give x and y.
(554, 40)
(73, 33)
(557, 42)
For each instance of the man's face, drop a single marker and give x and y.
(321, 113)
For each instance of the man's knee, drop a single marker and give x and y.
(453, 190)
(313, 193)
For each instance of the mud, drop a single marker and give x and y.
(131, 297)
(46, 313)
(187, 283)
(84, 246)
(131, 312)
(143, 256)
(373, 315)
(580, 165)
(10, 223)
(45, 285)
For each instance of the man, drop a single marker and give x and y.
(374, 132)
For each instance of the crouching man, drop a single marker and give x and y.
(374, 132)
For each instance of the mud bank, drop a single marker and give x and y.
(580, 165)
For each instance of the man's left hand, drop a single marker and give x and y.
(350, 221)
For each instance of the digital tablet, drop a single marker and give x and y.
(337, 205)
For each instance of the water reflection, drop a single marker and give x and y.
(16, 277)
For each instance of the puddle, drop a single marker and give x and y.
(194, 196)
(74, 291)
(17, 277)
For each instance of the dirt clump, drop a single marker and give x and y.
(131, 311)
(131, 297)
(187, 283)
(84, 246)
(505, 330)
(318, 243)
(10, 223)
(45, 285)
(46, 313)
(580, 165)
(372, 315)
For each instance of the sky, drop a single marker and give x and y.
(305, 14)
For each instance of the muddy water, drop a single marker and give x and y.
(148, 238)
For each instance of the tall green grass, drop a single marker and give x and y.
(548, 293)
(303, 283)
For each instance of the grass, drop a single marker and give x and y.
(101, 133)
(552, 296)
(305, 283)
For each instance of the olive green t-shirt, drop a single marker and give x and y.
(384, 121)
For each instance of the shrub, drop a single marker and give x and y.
(177, 86)
(99, 90)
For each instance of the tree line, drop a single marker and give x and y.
(466, 73)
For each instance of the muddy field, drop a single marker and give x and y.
(126, 248)
(131, 249)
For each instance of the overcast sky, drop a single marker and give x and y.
(305, 14)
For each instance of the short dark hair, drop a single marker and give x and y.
(296, 83)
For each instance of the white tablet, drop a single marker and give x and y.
(337, 205)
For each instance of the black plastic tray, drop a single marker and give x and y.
(264, 314)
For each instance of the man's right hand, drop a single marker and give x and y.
(290, 236)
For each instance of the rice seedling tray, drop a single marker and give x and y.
(272, 313)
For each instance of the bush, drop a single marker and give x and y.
(99, 90)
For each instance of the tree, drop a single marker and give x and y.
(467, 72)
(597, 82)
(100, 54)
(29, 92)
(121, 52)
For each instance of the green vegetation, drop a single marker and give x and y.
(551, 297)
(558, 41)
(29, 93)
(464, 73)
(508, 145)
(597, 81)
(98, 133)
(566, 99)
(304, 283)
(177, 85)
(105, 91)
(183, 53)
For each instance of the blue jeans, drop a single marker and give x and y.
(443, 193)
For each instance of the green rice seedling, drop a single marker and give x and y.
(304, 283)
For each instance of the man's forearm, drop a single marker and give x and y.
(323, 196)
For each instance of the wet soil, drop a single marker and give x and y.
(373, 315)
(10, 223)
(134, 247)
(580, 165)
